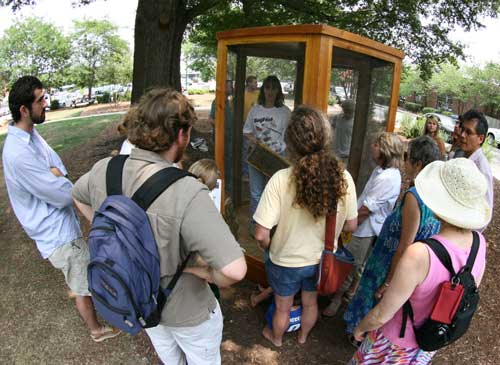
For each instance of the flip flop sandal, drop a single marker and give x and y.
(106, 332)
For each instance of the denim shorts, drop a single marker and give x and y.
(286, 281)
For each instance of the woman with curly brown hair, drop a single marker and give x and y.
(297, 200)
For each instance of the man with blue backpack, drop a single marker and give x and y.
(151, 225)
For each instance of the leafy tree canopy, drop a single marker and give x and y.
(421, 28)
(97, 51)
(36, 48)
(477, 84)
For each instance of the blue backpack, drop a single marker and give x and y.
(124, 269)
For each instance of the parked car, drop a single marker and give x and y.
(65, 99)
(493, 137)
(82, 101)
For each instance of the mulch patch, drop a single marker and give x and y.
(40, 325)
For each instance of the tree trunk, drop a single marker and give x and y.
(159, 28)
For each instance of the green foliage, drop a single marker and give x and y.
(429, 110)
(200, 58)
(420, 28)
(104, 98)
(54, 104)
(198, 91)
(125, 97)
(98, 50)
(479, 85)
(412, 127)
(413, 107)
(488, 152)
(33, 47)
(263, 67)
(332, 100)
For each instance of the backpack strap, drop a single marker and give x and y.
(114, 174)
(157, 184)
(407, 312)
(166, 291)
(473, 251)
(443, 256)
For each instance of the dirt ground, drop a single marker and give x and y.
(40, 325)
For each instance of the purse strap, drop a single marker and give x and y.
(330, 226)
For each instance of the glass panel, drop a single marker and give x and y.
(257, 105)
(341, 108)
(379, 101)
(360, 90)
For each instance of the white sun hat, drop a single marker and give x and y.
(455, 191)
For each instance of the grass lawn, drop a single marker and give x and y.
(71, 132)
(63, 113)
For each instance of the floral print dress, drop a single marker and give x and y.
(379, 263)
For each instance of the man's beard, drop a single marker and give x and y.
(37, 119)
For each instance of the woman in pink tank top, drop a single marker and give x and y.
(452, 190)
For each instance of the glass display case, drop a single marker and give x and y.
(354, 80)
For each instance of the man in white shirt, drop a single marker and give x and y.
(40, 195)
(473, 135)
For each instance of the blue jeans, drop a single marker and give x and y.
(257, 181)
(286, 281)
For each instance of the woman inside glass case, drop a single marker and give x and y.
(265, 124)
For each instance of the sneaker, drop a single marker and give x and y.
(104, 333)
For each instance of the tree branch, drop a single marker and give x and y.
(201, 7)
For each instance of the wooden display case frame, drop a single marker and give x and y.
(313, 80)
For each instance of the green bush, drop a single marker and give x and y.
(104, 98)
(332, 100)
(125, 97)
(198, 91)
(488, 151)
(447, 113)
(429, 110)
(54, 104)
(413, 107)
(412, 127)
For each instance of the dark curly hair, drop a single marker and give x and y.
(155, 122)
(317, 174)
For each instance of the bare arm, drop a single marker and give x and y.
(350, 225)
(263, 236)
(226, 276)
(363, 213)
(85, 209)
(410, 272)
(410, 216)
